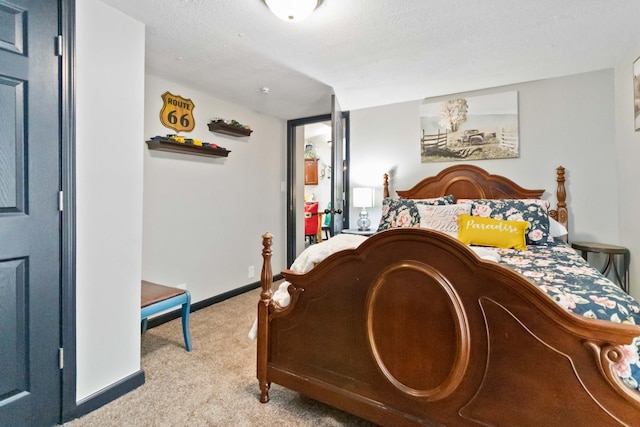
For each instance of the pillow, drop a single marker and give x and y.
(556, 229)
(477, 230)
(398, 213)
(443, 218)
(534, 211)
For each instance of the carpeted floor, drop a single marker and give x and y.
(215, 384)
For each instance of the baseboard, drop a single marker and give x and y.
(176, 314)
(107, 395)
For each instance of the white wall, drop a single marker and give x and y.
(628, 148)
(109, 143)
(204, 216)
(566, 121)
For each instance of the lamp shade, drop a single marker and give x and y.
(363, 197)
(292, 10)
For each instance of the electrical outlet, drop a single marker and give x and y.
(252, 272)
(182, 286)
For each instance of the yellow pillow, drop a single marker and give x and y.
(478, 230)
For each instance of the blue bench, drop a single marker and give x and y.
(157, 298)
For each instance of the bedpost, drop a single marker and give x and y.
(385, 185)
(266, 280)
(561, 196)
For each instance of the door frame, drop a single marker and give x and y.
(68, 404)
(292, 167)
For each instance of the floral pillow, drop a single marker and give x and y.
(534, 211)
(399, 213)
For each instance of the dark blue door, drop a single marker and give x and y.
(29, 214)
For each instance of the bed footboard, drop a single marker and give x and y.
(412, 328)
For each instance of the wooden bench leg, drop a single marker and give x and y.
(186, 310)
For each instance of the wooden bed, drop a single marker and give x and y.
(412, 328)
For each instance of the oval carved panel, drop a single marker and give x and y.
(418, 330)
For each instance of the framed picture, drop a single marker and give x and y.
(471, 128)
(636, 93)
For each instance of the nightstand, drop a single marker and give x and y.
(368, 232)
(613, 252)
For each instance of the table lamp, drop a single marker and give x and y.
(363, 198)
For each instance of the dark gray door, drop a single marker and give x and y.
(29, 216)
(338, 170)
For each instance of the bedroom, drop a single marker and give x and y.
(600, 120)
(581, 121)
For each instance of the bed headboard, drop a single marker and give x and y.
(472, 182)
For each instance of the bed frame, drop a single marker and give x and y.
(413, 329)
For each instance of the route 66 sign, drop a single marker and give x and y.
(177, 113)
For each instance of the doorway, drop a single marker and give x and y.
(317, 182)
(315, 134)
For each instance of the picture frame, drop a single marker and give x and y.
(482, 127)
(636, 93)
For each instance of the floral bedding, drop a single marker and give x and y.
(568, 279)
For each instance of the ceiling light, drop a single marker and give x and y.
(292, 10)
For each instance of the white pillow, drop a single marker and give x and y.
(556, 229)
(443, 218)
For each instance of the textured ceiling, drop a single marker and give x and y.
(377, 52)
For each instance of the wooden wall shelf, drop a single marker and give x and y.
(178, 147)
(223, 128)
